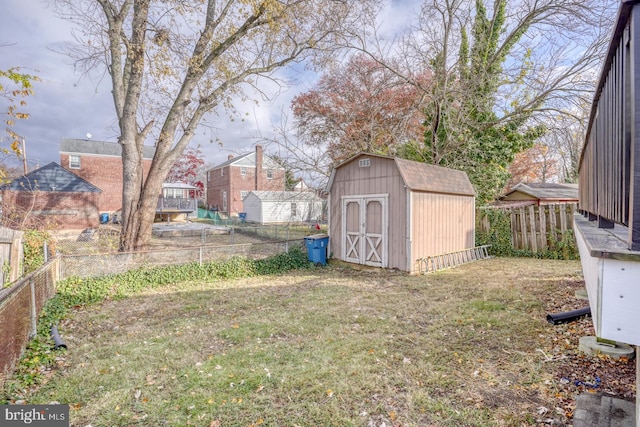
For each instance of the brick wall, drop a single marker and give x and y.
(105, 172)
(15, 313)
(234, 182)
(59, 210)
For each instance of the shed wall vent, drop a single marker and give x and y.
(364, 163)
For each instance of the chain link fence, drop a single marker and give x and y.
(94, 252)
(89, 265)
(105, 239)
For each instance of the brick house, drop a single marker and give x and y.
(230, 182)
(100, 163)
(50, 197)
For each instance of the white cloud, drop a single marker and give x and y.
(67, 106)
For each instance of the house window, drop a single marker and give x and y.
(294, 210)
(209, 176)
(364, 163)
(74, 162)
(269, 174)
(224, 201)
(222, 172)
(243, 171)
(243, 194)
(173, 193)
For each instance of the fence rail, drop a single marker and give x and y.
(99, 264)
(20, 306)
(536, 228)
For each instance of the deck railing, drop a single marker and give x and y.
(610, 160)
(176, 204)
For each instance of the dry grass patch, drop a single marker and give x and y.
(331, 346)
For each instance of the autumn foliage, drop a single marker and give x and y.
(536, 164)
(360, 106)
(188, 169)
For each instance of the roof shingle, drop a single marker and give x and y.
(49, 178)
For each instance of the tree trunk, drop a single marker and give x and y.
(139, 202)
(132, 181)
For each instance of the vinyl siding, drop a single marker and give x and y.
(264, 210)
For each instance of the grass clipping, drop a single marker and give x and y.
(326, 346)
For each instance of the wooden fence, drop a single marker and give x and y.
(536, 228)
(11, 254)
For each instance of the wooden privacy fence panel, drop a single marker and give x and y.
(20, 307)
(10, 255)
(537, 228)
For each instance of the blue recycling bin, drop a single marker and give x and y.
(317, 248)
(242, 216)
(104, 218)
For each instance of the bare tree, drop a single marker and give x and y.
(172, 62)
(309, 162)
(498, 73)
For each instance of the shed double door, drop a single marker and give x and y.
(364, 230)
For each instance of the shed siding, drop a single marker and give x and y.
(252, 205)
(276, 211)
(441, 223)
(381, 177)
(279, 210)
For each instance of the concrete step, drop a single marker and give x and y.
(598, 410)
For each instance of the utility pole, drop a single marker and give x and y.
(24, 157)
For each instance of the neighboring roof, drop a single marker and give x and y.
(286, 196)
(301, 186)
(249, 160)
(178, 185)
(419, 176)
(99, 148)
(50, 178)
(545, 191)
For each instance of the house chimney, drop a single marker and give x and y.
(230, 156)
(258, 167)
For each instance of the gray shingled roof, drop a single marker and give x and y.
(546, 191)
(420, 176)
(49, 178)
(434, 179)
(102, 148)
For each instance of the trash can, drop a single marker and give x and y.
(242, 216)
(104, 218)
(317, 248)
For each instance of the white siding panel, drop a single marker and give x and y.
(252, 205)
(620, 314)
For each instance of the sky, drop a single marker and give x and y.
(67, 105)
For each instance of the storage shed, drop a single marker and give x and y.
(266, 207)
(390, 212)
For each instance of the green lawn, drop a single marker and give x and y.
(332, 346)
